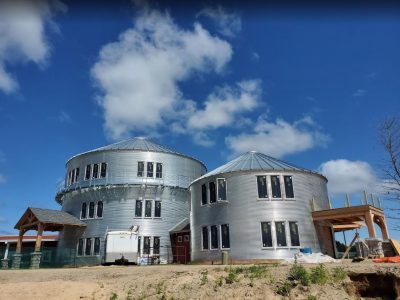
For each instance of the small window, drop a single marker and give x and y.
(76, 174)
(95, 171)
(288, 186)
(147, 211)
(280, 234)
(179, 239)
(150, 167)
(103, 170)
(138, 208)
(88, 170)
(146, 245)
(96, 248)
(266, 234)
(276, 187)
(205, 238)
(214, 237)
(221, 189)
(140, 169)
(83, 211)
(157, 209)
(80, 247)
(212, 192)
(73, 176)
(159, 170)
(99, 212)
(225, 236)
(156, 245)
(186, 238)
(262, 187)
(91, 210)
(139, 244)
(203, 194)
(69, 178)
(88, 247)
(294, 234)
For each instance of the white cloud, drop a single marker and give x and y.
(64, 117)
(139, 74)
(278, 138)
(228, 24)
(225, 104)
(22, 35)
(349, 176)
(359, 93)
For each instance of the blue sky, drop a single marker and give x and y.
(307, 85)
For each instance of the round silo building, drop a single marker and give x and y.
(255, 207)
(131, 184)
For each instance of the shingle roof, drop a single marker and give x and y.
(256, 161)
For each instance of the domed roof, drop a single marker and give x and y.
(137, 144)
(255, 161)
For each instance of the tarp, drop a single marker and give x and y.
(314, 258)
(393, 259)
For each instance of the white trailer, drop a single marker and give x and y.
(121, 246)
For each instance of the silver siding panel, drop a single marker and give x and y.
(244, 214)
(119, 192)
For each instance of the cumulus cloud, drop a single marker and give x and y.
(139, 74)
(278, 138)
(349, 176)
(228, 23)
(22, 35)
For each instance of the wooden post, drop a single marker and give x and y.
(379, 202)
(38, 244)
(382, 225)
(372, 200)
(369, 220)
(347, 200)
(19, 242)
(349, 247)
(365, 198)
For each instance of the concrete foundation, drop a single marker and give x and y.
(4, 264)
(16, 261)
(35, 260)
(375, 247)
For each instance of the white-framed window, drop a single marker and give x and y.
(146, 245)
(186, 238)
(225, 239)
(214, 237)
(275, 187)
(262, 187)
(156, 245)
(148, 208)
(99, 209)
(179, 239)
(88, 247)
(80, 247)
(221, 189)
(157, 209)
(294, 234)
(103, 170)
(94, 210)
(139, 208)
(88, 172)
(150, 169)
(266, 235)
(83, 210)
(280, 234)
(140, 169)
(204, 238)
(288, 181)
(91, 210)
(96, 246)
(203, 194)
(95, 173)
(159, 170)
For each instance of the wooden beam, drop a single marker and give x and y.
(19, 241)
(369, 220)
(38, 244)
(349, 247)
(25, 226)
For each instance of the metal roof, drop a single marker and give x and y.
(137, 144)
(255, 161)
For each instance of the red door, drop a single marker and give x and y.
(181, 247)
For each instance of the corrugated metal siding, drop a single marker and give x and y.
(244, 214)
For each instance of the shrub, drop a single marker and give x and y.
(319, 275)
(114, 296)
(232, 277)
(312, 297)
(284, 289)
(257, 271)
(219, 281)
(299, 273)
(204, 277)
(338, 274)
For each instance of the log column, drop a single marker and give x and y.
(369, 220)
(37, 255)
(39, 236)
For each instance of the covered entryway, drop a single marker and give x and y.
(41, 220)
(180, 242)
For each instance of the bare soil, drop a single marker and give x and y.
(190, 282)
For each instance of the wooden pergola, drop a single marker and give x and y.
(40, 219)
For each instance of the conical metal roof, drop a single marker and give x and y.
(255, 161)
(137, 144)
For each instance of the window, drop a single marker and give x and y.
(138, 208)
(88, 170)
(203, 194)
(205, 238)
(91, 210)
(103, 170)
(294, 234)
(159, 170)
(95, 171)
(186, 238)
(146, 245)
(214, 237)
(76, 174)
(280, 234)
(88, 247)
(179, 239)
(225, 236)
(212, 192)
(83, 211)
(147, 210)
(156, 245)
(266, 234)
(288, 186)
(73, 176)
(139, 244)
(99, 212)
(140, 169)
(157, 209)
(80, 247)
(96, 248)
(150, 167)
(221, 189)
(262, 187)
(69, 178)
(276, 187)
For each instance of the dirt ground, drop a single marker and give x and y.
(180, 282)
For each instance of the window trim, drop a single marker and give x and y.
(96, 208)
(272, 235)
(218, 240)
(229, 236)
(106, 170)
(143, 171)
(162, 169)
(206, 195)
(286, 235)
(151, 208)
(179, 239)
(268, 198)
(154, 213)
(269, 187)
(147, 169)
(141, 209)
(226, 190)
(83, 247)
(202, 239)
(298, 233)
(94, 242)
(86, 211)
(209, 192)
(284, 187)
(90, 172)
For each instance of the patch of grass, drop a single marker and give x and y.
(338, 274)
(284, 289)
(299, 273)
(257, 271)
(114, 296)
(219, 281)
(204, 277)
(160, 287)
(319, 275)
(232, 276)
(312, 297)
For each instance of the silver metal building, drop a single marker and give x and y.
(131, 183)
(255, 207)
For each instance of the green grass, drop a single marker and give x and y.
(114, 296)
(319, 275)
(338, 274)
(299, 273)
(204, 277)
(284, 289)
